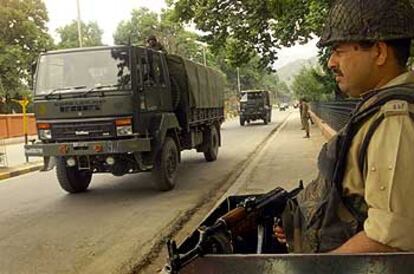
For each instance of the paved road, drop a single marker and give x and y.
(283, 159)
(115, 224)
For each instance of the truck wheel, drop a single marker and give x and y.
(166, 164)
(242, 121)
(211, 144)
(72, 179)
(266, 119)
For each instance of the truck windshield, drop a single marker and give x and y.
(250, 96)
(86, 69)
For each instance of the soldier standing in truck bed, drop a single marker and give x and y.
(154, 44)
(362, 200)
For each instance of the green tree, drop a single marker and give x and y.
(313, 84)
(179, 41)
(23, 35)
(171, 34)
(91, 35)
(253, 27)
(136, 30)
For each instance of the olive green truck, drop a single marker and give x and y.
(123, 110)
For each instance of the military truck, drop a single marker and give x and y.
(255, 105)
(123, 110)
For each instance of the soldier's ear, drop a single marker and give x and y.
(382, 53)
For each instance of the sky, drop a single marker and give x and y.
(108, 14)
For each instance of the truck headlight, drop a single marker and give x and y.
(124, 130)
(45, 134)
(124, 126)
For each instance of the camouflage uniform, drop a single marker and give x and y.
(305, 117)
(365, 171)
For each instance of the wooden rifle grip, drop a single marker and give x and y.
(234, 216)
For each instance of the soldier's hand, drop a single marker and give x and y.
(279, 233)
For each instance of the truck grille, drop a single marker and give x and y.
(84, 131)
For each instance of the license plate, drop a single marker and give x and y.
(79, 145)
(37, 151)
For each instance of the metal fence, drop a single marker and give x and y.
(334, 113)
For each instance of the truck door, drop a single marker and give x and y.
(156, 86)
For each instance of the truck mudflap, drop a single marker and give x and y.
(88, 148)
(243, 261)
(386, 263)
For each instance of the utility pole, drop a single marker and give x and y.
(204, 56)
(238, 79)
(204, 48)
(79, 25)
(23, 103)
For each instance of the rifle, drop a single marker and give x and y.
(248, 216)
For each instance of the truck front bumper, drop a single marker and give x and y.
(89, 148)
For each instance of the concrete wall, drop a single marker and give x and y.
(11, 125)
(327, 131)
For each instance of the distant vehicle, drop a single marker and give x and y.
(123, 110)
(283, 107)
(255, 105)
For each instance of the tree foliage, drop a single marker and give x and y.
(142, 23)
(171, 34)
(91, 35)
(23, 35)
(179, 41)
(253, 27)
(313, 84)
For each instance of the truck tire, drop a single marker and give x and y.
(211, 145)
(266, 119)
(166, 165)
(242, 121)
(71, 179)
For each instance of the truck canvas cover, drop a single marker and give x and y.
(202, 86)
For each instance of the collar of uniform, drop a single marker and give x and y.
(368, 97)
(405, 78)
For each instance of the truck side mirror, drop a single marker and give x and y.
(33, 67)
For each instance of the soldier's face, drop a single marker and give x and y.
(152, 42)
(354, 68)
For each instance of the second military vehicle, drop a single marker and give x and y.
(255, 105)
(123, 110)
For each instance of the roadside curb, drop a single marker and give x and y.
(327, 131)
(20, 170)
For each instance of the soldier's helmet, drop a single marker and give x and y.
(152, 38)
(368, 20)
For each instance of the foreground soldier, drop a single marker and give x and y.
(362, 199)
